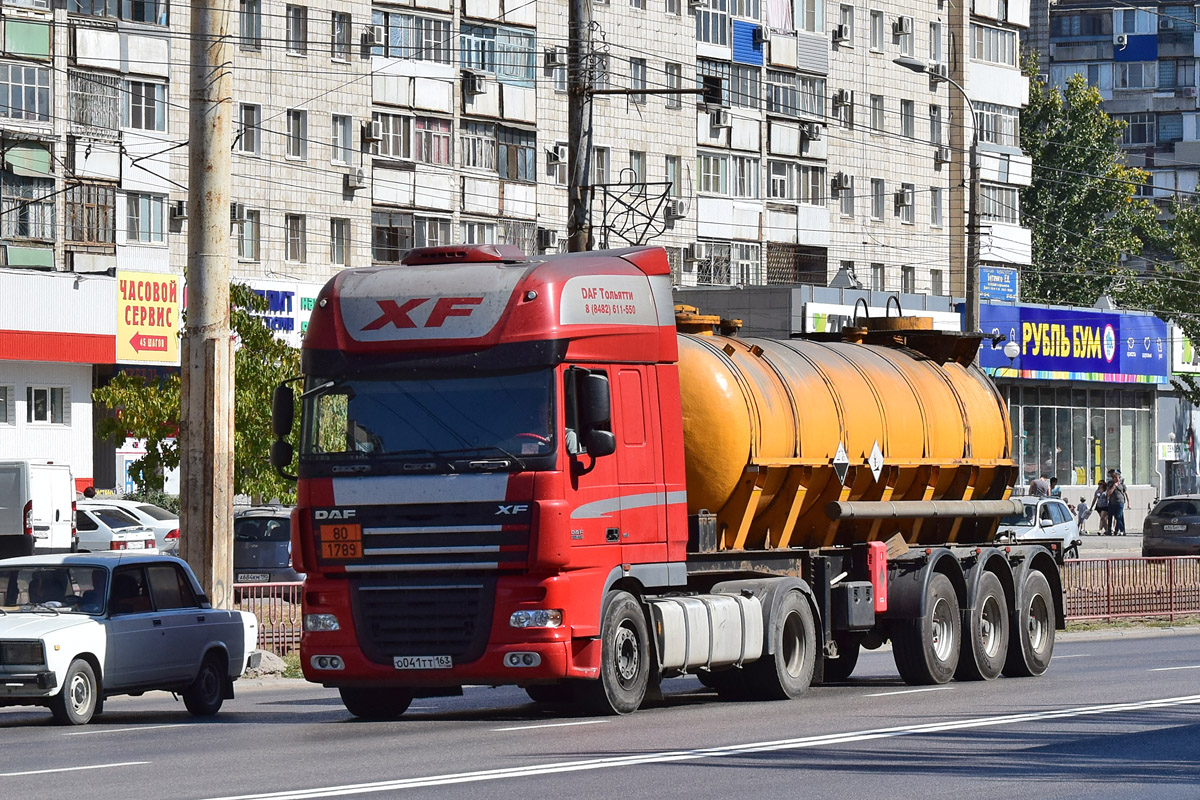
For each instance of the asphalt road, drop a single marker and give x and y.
(1114, 717)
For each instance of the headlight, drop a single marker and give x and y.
(320, 622)
(23, 653)
(536, 618)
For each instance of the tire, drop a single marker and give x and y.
(204, 696)
(550, 692)
(1071, 552)
(840, 668)
(985, 632)
(926, 650)
(76, 702)
(1031, 643)
(624, 658)
(788, 672)
(376, 704)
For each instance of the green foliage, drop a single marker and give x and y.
(150, 412)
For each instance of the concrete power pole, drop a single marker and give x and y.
(579, 41)
(206, 420)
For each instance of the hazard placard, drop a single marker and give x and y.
(147, 317)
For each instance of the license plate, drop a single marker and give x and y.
(253, 577)
(135, 545)
(1174, 527)
(422, 662)
(41, 533)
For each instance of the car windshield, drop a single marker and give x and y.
(1022, 520)
(160, 514)
(58, 589)
(115, 518)
(376, 420)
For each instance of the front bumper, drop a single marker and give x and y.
(24, 683)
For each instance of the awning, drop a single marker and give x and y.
(32, 160)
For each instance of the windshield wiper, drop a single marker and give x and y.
(483, 449)
(421, 451)
(322, 388)
(35, 606)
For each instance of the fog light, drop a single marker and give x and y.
(536, 618)
(314, 623)
(326, 662)
(522, 660)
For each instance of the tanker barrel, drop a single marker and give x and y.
(923, 509)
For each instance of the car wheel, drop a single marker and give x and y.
(204, 695)
(76, 703)
(376, 704)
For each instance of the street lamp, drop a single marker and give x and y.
(971, 277)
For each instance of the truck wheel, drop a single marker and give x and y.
(75, 704)
(839, 669)
(787, 673)
(376, 704)
(550, 692)
(624, 658)
(926, 649)
(1031, 643)
(204, 695)
(985, 639)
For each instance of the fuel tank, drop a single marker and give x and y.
(775, 430)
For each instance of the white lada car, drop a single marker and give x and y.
(78, 628)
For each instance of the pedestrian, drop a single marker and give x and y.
(89, 492)
(1100, 503)
(1083, 510)
(1054, 490)
(1117, 498)
(1039, 487)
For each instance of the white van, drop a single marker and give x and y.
(37, 508)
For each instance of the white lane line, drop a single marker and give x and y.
(552, 725)
(73, 769)
(126, 730)
(1172, 669)
(910, 691)
(1073, 655)
(670, 756)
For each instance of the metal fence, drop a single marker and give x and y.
(1095, 588)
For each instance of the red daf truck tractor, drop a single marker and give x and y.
(517, 470)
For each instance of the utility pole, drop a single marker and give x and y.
(579, 145)
(971, 284)
(206, 419)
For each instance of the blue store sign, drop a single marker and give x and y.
(997, 283)
(1076, 344)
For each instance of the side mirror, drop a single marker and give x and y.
(595, 409)
(283, 411)
(601, 443)
(281, 454)
(1046, 523)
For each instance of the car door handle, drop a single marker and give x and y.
(158, 623)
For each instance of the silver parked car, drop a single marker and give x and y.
(164, 523)
(1172, 528)
(102, 527)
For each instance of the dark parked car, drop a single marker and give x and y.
(1173, 527)
(262, 546)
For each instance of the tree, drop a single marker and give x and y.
(151, 411)
(1082, 203)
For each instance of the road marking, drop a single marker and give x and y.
(552, 725)
(126, 730)
(1172, 669)
(670, 756)
(73, 769)
(909, 691)
(1073, 655)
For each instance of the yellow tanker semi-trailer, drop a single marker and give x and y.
(817, 456)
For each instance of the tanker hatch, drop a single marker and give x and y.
(688, 319)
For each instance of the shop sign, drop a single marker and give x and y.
(147, 317)
(1173, 451)
(998, 283)
(1185, 356)
(1075, 344)
(832, 317)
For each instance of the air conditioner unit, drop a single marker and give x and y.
(939, 71)
(942, 155)
(811, 131)
(695, 252)
(676, 208)
(372, 131)
(842, 181)
(473, 83)
(556, 155)
(555, 57)
(843, 97)
(237, 212)
(903, 26)
(760, 35)
(1187, 91)
(841, 33)
(179, 209)
(547, 238)
(1120, 40)
(1165, 24)
(356, 179)
(694, 4)
(904, 198)
(719, 118)
(377, 35)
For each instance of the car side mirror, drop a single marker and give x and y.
(283, 411)
(281, 454)
(1046, 523)
(601, 443)
(596, 407)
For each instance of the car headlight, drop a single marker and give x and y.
(24, 653)
(536, 618)
(315, 623)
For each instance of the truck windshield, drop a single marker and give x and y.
(369, 419)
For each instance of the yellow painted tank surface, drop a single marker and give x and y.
(764, 421)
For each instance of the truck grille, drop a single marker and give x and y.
(23, 653)
(396, 615)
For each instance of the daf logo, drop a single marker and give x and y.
(335, 513)
(514, 509)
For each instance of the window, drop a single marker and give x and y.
(812, 185)
(998, 124)
(144, 106)
(248, 236)
(906, 40)
(935, 42)
(144, 218)
(557, 167)
(810, 15)
(637, 79)
(935, 206)
(297, 133)
(846, 201)
(339, 36)
(477, 143)
(46, 404)
(674, 164)
(745, 177)
(91, 213)
(637, 165)
(343, 139)
(297, 30)
(638, 4)
(151, 12)
(93, 99)
(746, 267)
(999, 204)
(877, 277)
(782, 178)
(674, 74)
(744, 86)
(250, 24)
(559, 74)
(249, 129)
(674, 7)
(170, 588)
(908, 119)
(846, 18)
(783, 93)
(297, 246)
(478, 232)
(1136, 75)
(1132, 20)
(937, 282)
(747, 9)
(1082, 24)
(516, 154)
(877, 31)
(906, 201)
(712, 21)
(877, 112)
(432, 140)
(395, 136)
(877, 194)
(26, 207)
(993, 45)
(508, 53)
(1139, 129)
(412, 36)
(713, 171)
(599, 165)
(935, 124)
(339, 241)
(391, 236)
(6, 397)
(431, 231)
(1176, 73)
(908, 280)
